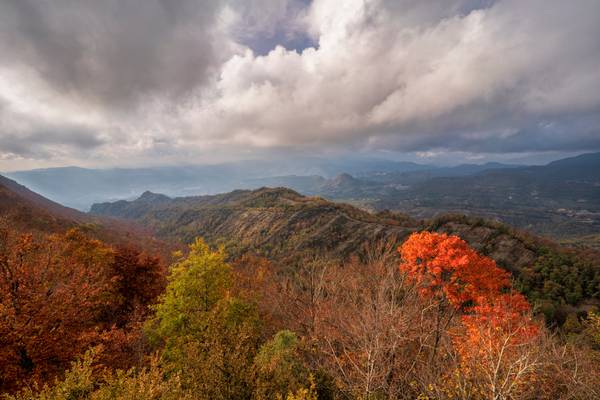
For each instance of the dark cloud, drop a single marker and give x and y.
(571, 134)
(113, 52)
(147, 80)
(49, 140)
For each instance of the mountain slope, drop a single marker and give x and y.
(280, 222)
(26, 211)
(286, 227)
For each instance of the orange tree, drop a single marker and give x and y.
(494, 341)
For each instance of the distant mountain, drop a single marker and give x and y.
(80, 187)
(558, 199)
(421, 175)
(561, 199)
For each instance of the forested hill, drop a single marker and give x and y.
(284, 225)
(275, 222)
(26, 211)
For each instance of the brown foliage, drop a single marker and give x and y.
(52, 290)
(60, 294)
(137, 280)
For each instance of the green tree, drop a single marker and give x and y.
(279, 368)
(209, 336)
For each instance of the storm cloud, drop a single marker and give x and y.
(145, 79)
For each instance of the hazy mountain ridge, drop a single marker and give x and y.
(560, 199)
(81, 187)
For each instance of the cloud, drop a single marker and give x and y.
(149, 79)
(415, 74)
(114, 52)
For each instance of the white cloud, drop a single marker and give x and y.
(473, 76)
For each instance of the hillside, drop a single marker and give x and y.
(283, 225)
(26, 211)
(279, 222)
(560, 199)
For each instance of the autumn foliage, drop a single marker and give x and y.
(62, 293)
(496, 321)
(447, 324)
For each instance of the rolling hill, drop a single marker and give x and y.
(286, 226)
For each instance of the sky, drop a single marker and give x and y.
(152, 82)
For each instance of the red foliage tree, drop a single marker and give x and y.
(496, 322)
(445, 266)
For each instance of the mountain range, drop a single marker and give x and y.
(81, 187)
(559, 200)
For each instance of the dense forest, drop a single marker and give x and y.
(444, 323)
(419, 314)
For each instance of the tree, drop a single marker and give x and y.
(496, 343)
(136, 281)
(52, 293)
(279, 368)
(447, 268)
(210, 335)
